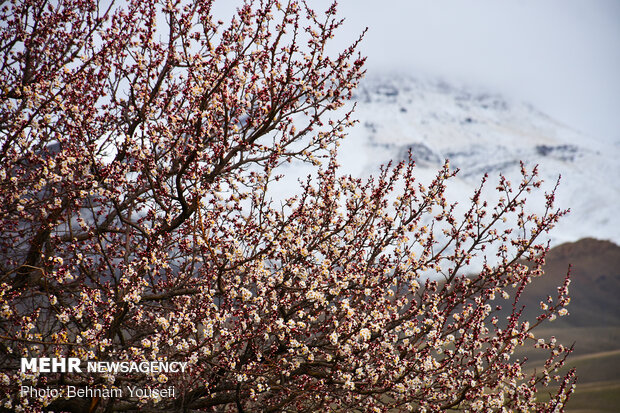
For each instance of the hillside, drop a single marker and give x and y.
(595, 283)
(482, 132)
(593, 324)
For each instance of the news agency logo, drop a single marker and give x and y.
(74, 365)
(51, 365)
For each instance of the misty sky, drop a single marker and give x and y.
(563, 56)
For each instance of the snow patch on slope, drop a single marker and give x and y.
(482, 133)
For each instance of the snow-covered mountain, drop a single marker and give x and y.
(482, 132)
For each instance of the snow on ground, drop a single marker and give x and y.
(480, 133)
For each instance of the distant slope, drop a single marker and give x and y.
(593, 325)
(479, 133)
(594, 288)
(483, 132)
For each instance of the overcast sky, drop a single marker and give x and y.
(563, 56)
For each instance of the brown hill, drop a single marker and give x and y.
(593, 325)
(595, 284)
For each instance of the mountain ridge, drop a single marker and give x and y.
(481, 132)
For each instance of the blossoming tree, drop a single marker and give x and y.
(138, 143)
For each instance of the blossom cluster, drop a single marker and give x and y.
(138, 143)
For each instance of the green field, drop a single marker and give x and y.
(597, 361)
